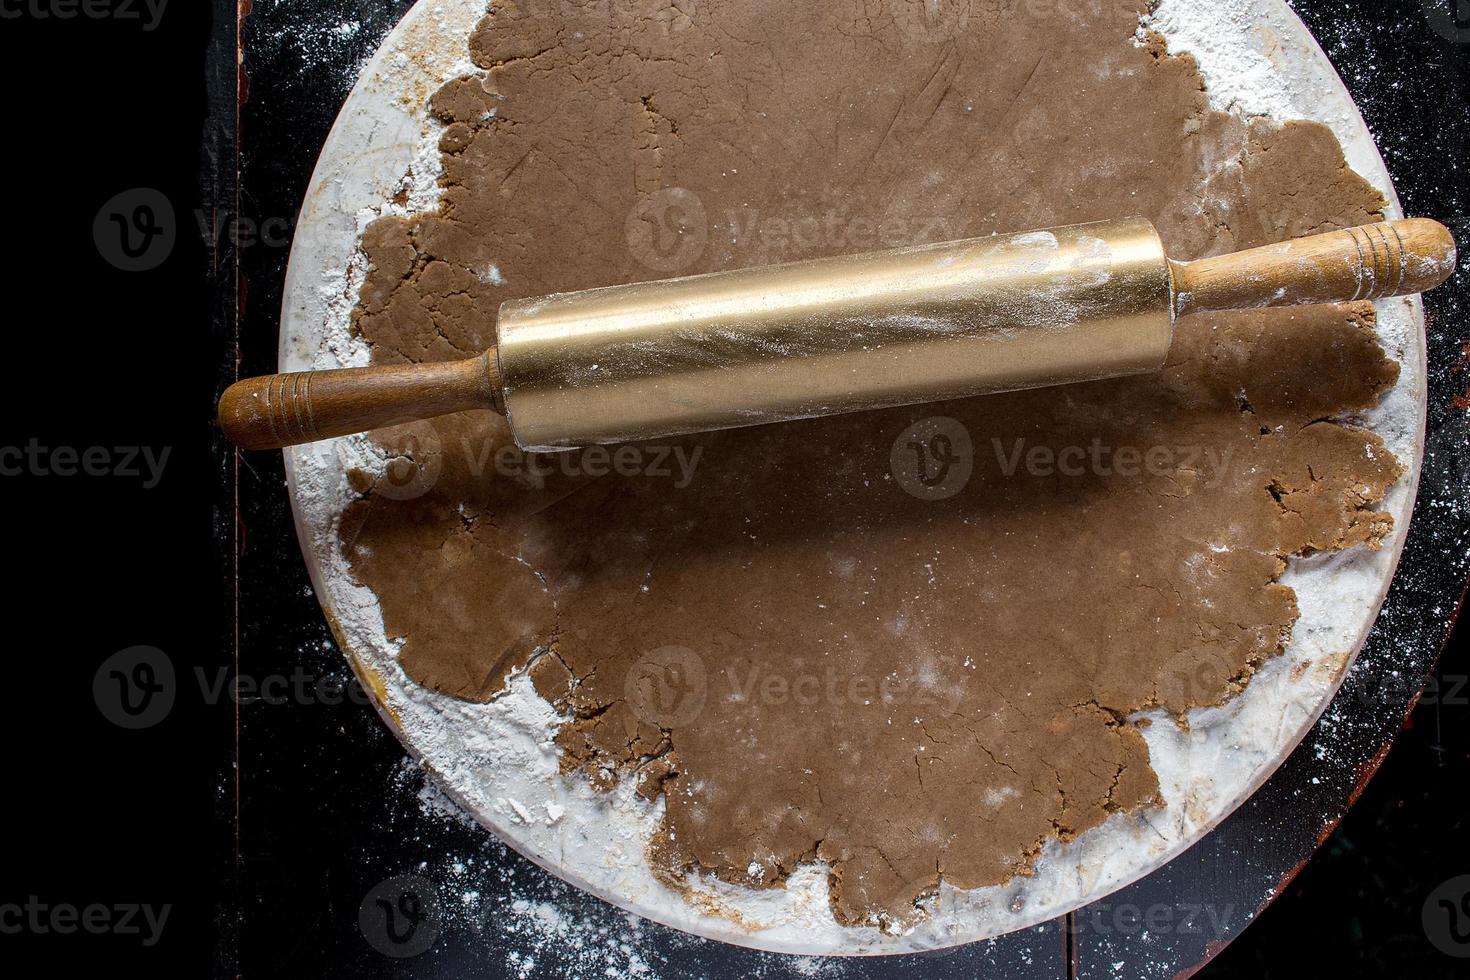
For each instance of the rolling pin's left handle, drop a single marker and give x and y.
(281, 410)
(1390, 258)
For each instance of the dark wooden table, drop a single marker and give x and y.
(326, 808)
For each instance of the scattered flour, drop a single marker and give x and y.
(1258, 60)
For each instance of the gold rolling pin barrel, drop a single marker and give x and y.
(919, 324)
(835, 335)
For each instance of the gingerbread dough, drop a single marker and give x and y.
(813, 640)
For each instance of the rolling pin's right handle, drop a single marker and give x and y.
(280, 410)
(1391, 258)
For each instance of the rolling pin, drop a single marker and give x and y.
(904, 326)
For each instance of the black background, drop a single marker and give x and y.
(262, 828)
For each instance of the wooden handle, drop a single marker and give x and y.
(289, 409)
(1391, 258)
